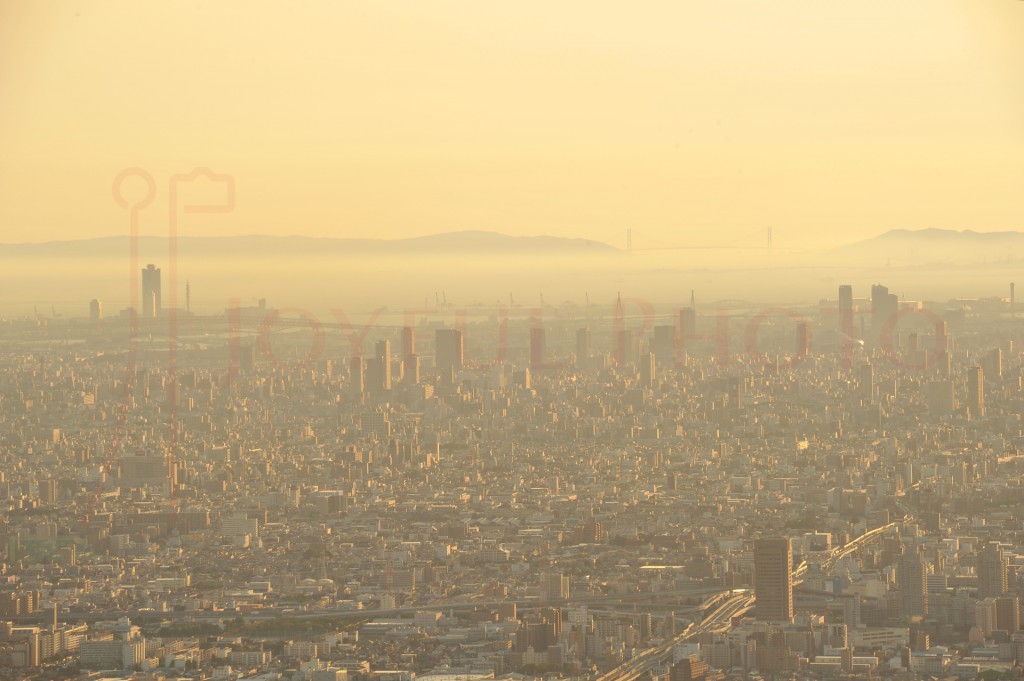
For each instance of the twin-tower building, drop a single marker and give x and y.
(151, 299)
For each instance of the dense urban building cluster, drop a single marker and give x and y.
(828, 491)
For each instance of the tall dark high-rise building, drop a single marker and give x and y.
(852, 611)
(976, 392)
(411, 369)
(941, 398)
(583, 343)
(142, 470)
(688, 328)
(773, 579)
(884, 307)
(151, 291)
(625, 349)
(448, 349)
(912, 583)
(410, 361)
(538, 347)
(846, 308)
(735, 389)
(408, 341)
(1008, 613)
(647, 370)
(356, 374)
(866, 379)
(646, 625)
(373, 376)
(992, 364)
(381, 380)
(665, 344)
(689, 669)
(992, 572)
(803, 340)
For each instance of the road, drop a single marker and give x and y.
(716, 621)
(597, 602)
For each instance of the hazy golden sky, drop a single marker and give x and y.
(691, 121)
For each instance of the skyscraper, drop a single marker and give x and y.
(537, 347)
(803, 340)
(992, 364)
(408, 341)
(665, 344)
(773, 579)
(555, 586)
(582, 344)
(866, 378)
(625, 349)
(688, 327)
(688, 669)
(976, 392)
(992, 572)
(912, 583)
(647, 370)
(884, 306)
(846, 309)
(356, 375)
(1008, 613)
(941, 398)
(410, 362)
(381, 380)
(448, 349)
(95, 310)
(151, 291)
(852, 611)
(411, 369)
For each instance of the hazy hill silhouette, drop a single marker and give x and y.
(906, 247)
(467, 242)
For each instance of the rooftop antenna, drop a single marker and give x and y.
(693, 299)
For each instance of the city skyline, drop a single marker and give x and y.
(476, 341)
(619, 501)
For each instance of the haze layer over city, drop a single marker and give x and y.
(467, 341)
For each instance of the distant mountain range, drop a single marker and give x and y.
(905, 247)
(467, 242)
(896, 248)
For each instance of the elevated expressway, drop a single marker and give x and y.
(732, 604)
